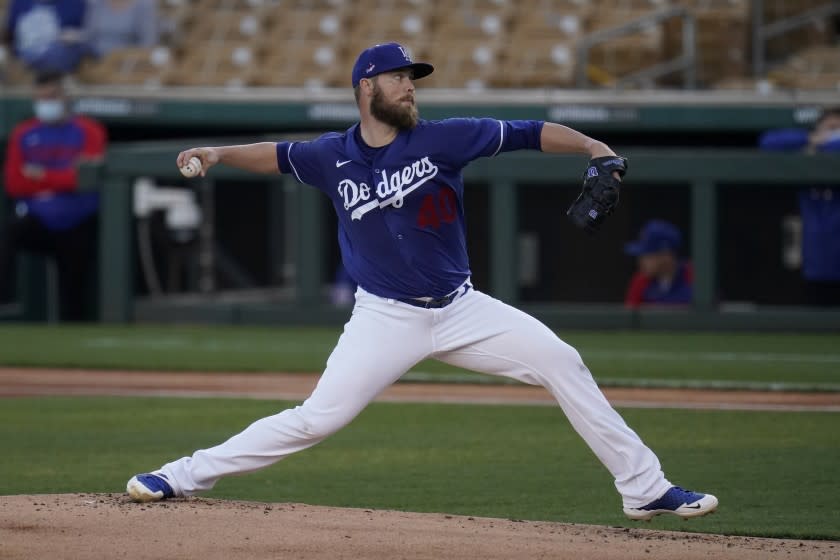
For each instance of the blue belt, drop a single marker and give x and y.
(437, 303)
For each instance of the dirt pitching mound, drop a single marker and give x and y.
(110, 526)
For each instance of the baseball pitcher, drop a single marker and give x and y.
(396, 185)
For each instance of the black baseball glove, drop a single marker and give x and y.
(600, 193)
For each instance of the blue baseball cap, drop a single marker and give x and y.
(385, 58)
(655, 236)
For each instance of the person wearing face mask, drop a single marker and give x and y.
(50, 215)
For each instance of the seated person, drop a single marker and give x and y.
(46, 35)
(51, 217)
(662, 277)
(117, 24)
(819, 207)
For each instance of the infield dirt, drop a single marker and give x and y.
(108, 526)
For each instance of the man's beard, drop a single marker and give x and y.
(399, 116)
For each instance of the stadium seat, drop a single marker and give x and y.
(464, 63)
(310, 64)
(547, 21)
(815, 68)
(239, 43)
(722, 34)
(816, 33)
(296, 24)
(238, 5)
(406, 26)
(542, 62)
(12, 72)
(175, 17)
(228, 25)
(147, 67)
(479, 19)
(225, 64)
(829, 82)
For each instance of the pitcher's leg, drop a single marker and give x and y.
(378, 345)
(486, 335)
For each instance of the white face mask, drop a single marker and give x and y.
(49, 110)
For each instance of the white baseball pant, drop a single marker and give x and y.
(384, 338)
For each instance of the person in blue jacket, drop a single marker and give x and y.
(662, 277)
(819, 206)
(47, 35)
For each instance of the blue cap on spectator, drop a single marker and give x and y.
(385, 58)
(655, 236)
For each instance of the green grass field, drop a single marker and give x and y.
(774, 472)
(728, 360)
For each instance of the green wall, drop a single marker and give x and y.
(704, 172)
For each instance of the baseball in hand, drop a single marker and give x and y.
(192, 168)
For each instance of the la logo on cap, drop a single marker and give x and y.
(405, 54)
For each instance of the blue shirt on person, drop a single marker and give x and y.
(35, 28)
(818, 206)
(400, 208)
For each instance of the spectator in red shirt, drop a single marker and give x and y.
(662, 278)
(52, 216)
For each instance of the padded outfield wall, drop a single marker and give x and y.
(692, 160)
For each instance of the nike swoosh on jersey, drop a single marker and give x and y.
(339, 163)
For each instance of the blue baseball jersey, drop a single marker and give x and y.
(400, 208)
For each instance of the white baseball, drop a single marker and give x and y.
(192, 168)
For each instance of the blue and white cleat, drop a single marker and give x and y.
(679, 502)
(149, 487)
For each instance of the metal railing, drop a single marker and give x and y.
(762, 32)
(686, 62)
